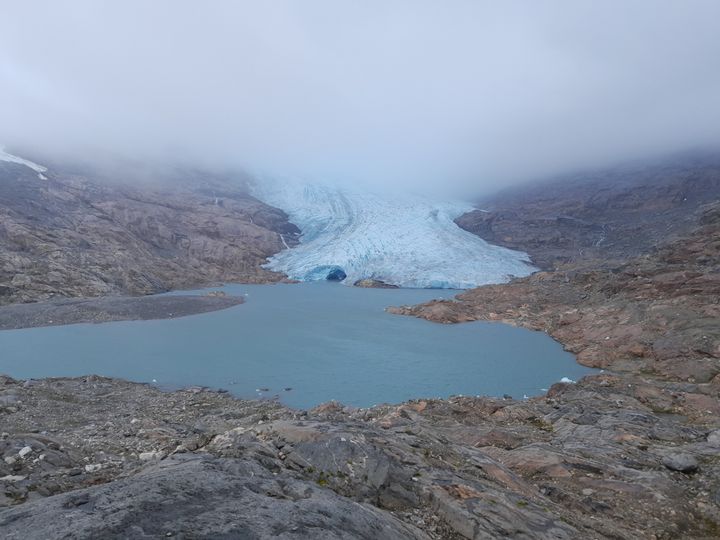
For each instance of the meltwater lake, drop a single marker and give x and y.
(304, 344)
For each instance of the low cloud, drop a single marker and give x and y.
(463, 95)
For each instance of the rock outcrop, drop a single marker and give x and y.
(608, 457)
(373, 284)
(71, 234)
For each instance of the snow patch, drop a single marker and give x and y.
(4, 156)
(398, 239)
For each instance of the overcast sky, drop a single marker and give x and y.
(409, 92)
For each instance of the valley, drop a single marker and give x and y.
(332, 270)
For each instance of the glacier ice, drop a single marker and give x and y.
(4, 156)
(399, 239)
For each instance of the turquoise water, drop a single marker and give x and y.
(322, 341)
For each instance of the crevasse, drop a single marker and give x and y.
(402, 240)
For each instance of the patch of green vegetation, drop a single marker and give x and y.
(541, 424)
(712, 527)
(322, 479)
(662, 410)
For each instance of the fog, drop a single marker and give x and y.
(458, 95)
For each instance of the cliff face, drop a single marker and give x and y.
(72, 235)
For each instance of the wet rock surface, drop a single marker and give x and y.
(373, 284)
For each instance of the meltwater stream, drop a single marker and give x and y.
(306, 344)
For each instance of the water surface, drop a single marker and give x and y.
(321, 341)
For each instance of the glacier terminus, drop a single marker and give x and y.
(404, 240)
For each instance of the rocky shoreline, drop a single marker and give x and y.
(657, 313)
(608, 457)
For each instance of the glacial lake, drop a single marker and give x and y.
(304, 344)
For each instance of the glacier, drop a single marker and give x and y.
(399, 239)
(39, 169)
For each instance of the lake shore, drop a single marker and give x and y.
(106, 309)
(324, 340)
(93, 456)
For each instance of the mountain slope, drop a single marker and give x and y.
(609, 214)
(68, 234)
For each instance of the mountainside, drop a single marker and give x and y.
(69, 234)
(610, 214)
(626, 454)
(393, 239)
